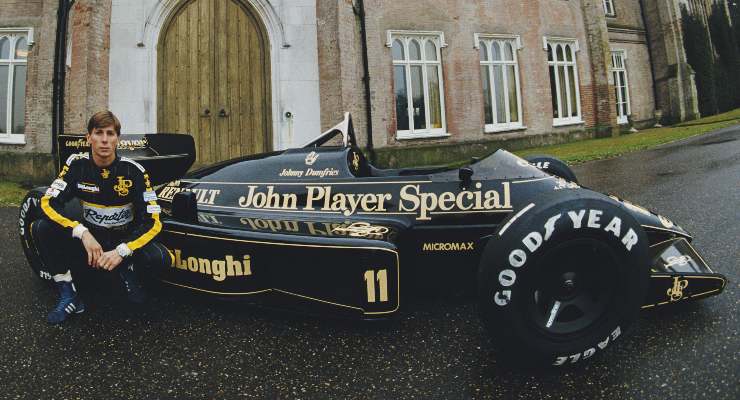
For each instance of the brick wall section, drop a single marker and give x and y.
(328, 48)
(41, 15)
(86, 87)
(675, 87)
(602, 112)
(628, 15)
(460, 60)
(627, 32)
(340, 66)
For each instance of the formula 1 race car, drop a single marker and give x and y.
(559, 271)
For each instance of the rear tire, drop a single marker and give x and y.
(563, 281)
(554, 166)
(30, 211)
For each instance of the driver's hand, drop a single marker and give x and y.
(109, 260)
(93, 249)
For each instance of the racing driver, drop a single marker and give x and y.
(120, 218)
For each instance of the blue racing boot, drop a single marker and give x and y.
(69, 303)
(134, 291)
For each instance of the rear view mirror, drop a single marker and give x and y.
(185, 207)
(465, 174)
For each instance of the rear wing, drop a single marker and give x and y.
(166, 156)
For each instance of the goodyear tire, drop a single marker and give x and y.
(559, 283)
(30, 211)
(554, 166)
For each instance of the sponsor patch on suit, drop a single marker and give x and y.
(88, 187)
(108, 216)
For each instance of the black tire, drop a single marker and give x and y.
(598, 279)
(552, 165)
(30, 211)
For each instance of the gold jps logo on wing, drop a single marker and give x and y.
(361, 229)
(122, 186)
(676, 292)
(218, 269)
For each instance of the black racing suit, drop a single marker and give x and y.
(118, 206)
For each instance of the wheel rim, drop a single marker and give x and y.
(574, 288)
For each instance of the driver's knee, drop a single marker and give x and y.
(44, 231)
(154, 256)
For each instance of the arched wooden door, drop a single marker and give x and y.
(213, 79)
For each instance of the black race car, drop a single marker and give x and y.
(559, 271)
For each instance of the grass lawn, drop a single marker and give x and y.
(11, 193)
(596, 149)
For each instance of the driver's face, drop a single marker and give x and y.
(103, 141)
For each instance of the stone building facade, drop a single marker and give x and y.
(425, 81)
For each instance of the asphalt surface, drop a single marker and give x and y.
(190, 347)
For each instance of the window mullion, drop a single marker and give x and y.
(6, 105)
(425, 90)
(442, 115)
(626, 92)
(409, 94)
(576, 85)
(556, 72)
(9, 109)
(494, 107)
(615, 74)
(409, 97)
(505, 69)
(520, 118)
(568, 95)
(620, 98)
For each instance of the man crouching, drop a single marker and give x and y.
(120, 218)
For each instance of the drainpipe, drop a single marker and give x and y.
(60, 55)
(360, 12)
(650, 56)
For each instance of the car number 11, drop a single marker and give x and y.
(382, 277)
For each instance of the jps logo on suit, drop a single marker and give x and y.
(122, 187)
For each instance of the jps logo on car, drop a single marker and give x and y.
(676, 292)
(123, 185)
(311, 158)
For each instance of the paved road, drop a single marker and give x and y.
(184, 347)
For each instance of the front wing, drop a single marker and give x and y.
(679, 273)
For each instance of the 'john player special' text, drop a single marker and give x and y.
(411, 199)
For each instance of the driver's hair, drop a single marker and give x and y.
(101, 119)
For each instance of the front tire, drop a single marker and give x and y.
(563, 281)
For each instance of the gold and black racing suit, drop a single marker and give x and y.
(119, 207)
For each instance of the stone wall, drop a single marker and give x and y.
(675, 88)
(41, 16)
(460, 60)
(602, 113)
(627, 33)
(86, 85)
(341, 71)
(627, 15)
